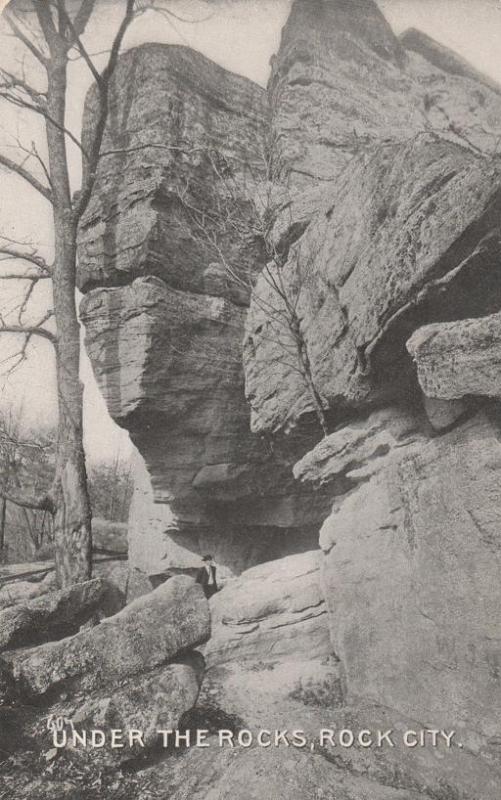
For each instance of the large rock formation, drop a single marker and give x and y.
(375, 233)
(395, 182)
(169, 248)
(419, 534)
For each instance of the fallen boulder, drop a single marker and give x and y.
(13, 592)
(271, 610)
(146, 634)
(57, 614)
(145, 704)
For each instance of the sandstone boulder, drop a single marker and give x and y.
(443, 414)
(325, 91)
(460, 358)
(146, 634)
(57, 614)
(375, 141)
(358, 446)
(147, 703)
(411, 235)
(411, 579)
(273, 610)
(115, 572)
(13, 592)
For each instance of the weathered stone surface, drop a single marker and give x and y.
(147, 703)
(459, 358)
(447, 61)
(272, 610)
(115, 572)
(168, 249)
(360, 446)
(156, 545)
(342, 82)
(178, 387)
(57, 614)
(382, 773)
(411, 235)
(443, 414)
(274, 691)
(7, 691)
(377, 145)
(257, 773)
(13, 592)
(411, 580)
(145, 634)
(183, 147)
(332, 61)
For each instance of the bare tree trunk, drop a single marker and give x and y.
(3, 515)
(73, 534)
(308, 377)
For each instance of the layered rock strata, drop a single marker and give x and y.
(376, 235)
(386, 209)
(458, 359)
(169, 249)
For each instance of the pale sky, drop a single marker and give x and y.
(241, 35)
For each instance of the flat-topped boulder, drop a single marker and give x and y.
(460, 358)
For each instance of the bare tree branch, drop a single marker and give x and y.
(14, 82)
(39, 108)
(43, 503)
(10, 249)
(83, 16)
(29, 331)
(106, 75)
(18, 33)
(76, 41)
(28, 176)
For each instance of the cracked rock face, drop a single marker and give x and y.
(386, 211)
(57, 614)
(411, 234)
(147, 703)
(384, 236)
(273, 610)
(411, 571)
(459, 358)
(168, 251)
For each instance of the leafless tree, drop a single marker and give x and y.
(243, 206)
(25, 460)
(51, 34)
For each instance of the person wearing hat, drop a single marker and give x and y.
(206, 576)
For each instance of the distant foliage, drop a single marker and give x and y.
(26, 460)
(110, 488)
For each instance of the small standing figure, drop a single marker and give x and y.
(206, 576)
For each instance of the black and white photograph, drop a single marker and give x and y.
(250, 400)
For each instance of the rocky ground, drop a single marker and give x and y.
(261, 658)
